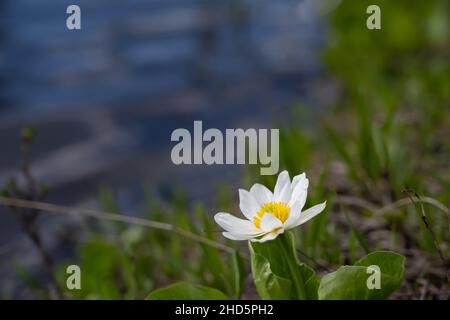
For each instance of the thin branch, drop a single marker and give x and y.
(28, 218)
(52, 208)
(25, 147)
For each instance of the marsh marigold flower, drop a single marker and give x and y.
(269, 214)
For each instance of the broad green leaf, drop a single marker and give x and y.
(278, 274)
(269, 285)
(351, 282)
(186, 291)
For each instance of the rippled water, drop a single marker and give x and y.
(115, 90)
(131, 50)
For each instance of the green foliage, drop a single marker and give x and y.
(278, 274)
(127, 262)
(239, 274)
(107, 273)
(397, 81)
(186, 291)
(350, 282)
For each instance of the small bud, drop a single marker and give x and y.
(28, 133)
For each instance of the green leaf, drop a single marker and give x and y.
(213, 270)
(108, 272)
(278, 274)
(186, 291)
(351, 282)
(358, 235)
(368, 152)
(342, 149)
(239, 274)
(269, 285)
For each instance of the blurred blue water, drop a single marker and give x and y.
(130, 50)
(114, 91)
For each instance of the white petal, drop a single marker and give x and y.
(261, 194)
(268, 236)
(232, 224)
(294, 215)
(282, 191)
(297, 179)
(269, 222)
(282, 180)
(309, 214)
(300, 192)
(234, 236)
(247, 204)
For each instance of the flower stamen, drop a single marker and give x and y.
(279, 209)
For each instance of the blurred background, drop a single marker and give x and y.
(106, 98)
(365, 111)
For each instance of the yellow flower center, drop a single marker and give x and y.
(278, 209)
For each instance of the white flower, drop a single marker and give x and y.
(269, 214)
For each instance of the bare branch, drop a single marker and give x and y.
(52, 208)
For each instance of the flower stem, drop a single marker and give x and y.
(286, 244)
